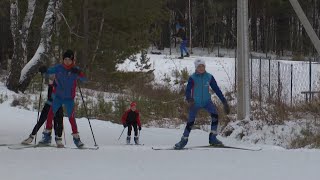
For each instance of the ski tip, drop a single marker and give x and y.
(167, 148)
(6, 144)
(20, 146)
(84, 147)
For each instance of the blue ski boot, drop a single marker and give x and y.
(183, 142)
(46, 138)
(213, 141)
(77, 141)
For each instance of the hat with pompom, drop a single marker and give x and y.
(197, 62)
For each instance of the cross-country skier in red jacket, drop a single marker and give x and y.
(131, 118)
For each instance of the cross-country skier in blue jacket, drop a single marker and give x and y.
(66, 75)
(183, 45)
(198, 96)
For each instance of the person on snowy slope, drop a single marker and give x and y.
(183, 45)
(198, 96)
(66, 75)
(47, 114)
(131, 118)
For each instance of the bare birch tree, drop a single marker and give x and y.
(23, 70)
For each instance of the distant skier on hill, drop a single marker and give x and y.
(181, 33)
(198, 96)
(66, 75)
(131, 118)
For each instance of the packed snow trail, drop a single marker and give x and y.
(114, 160)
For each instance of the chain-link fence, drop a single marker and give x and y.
(286, 81)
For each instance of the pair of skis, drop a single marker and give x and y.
(22, 146)
(134, 144)
(205, 147)
(208, 147)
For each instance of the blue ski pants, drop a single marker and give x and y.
(209, 107)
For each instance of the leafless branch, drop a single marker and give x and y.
(70, 30)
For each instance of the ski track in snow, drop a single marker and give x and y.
(114, 160)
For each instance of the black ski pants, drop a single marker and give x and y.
(58, 120)
(135, 128)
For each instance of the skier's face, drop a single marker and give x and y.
(201, 69)
(67, 61)
(133, 108)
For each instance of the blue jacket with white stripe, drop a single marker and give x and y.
(198, 89)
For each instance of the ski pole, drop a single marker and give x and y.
(121, 134)
(35, 138)
(85, 108)
(64, 134)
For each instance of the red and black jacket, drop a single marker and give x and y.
(126, 120)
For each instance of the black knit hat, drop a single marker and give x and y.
(68, 54)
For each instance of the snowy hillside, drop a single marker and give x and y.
(223, 70)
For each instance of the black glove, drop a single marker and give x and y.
(43, 69)
(190, 102)
(75, 70)
(125, 125)
(139, 128)
(226, 107)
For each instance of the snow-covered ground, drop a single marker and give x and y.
(260, 132)
(114, 160)
(165, 65)
(117, 161)
(223, 69)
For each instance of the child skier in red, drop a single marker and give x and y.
(66, 75)
(131, 118)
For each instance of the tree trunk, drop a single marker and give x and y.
(204, 26)
(20, 37)
(42, 53)
(6, 44)
(56, 47)
(98, 41)
(25, 29)
(86, 35)
(97, 46)
(12, 82)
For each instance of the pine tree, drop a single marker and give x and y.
(144, 61)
